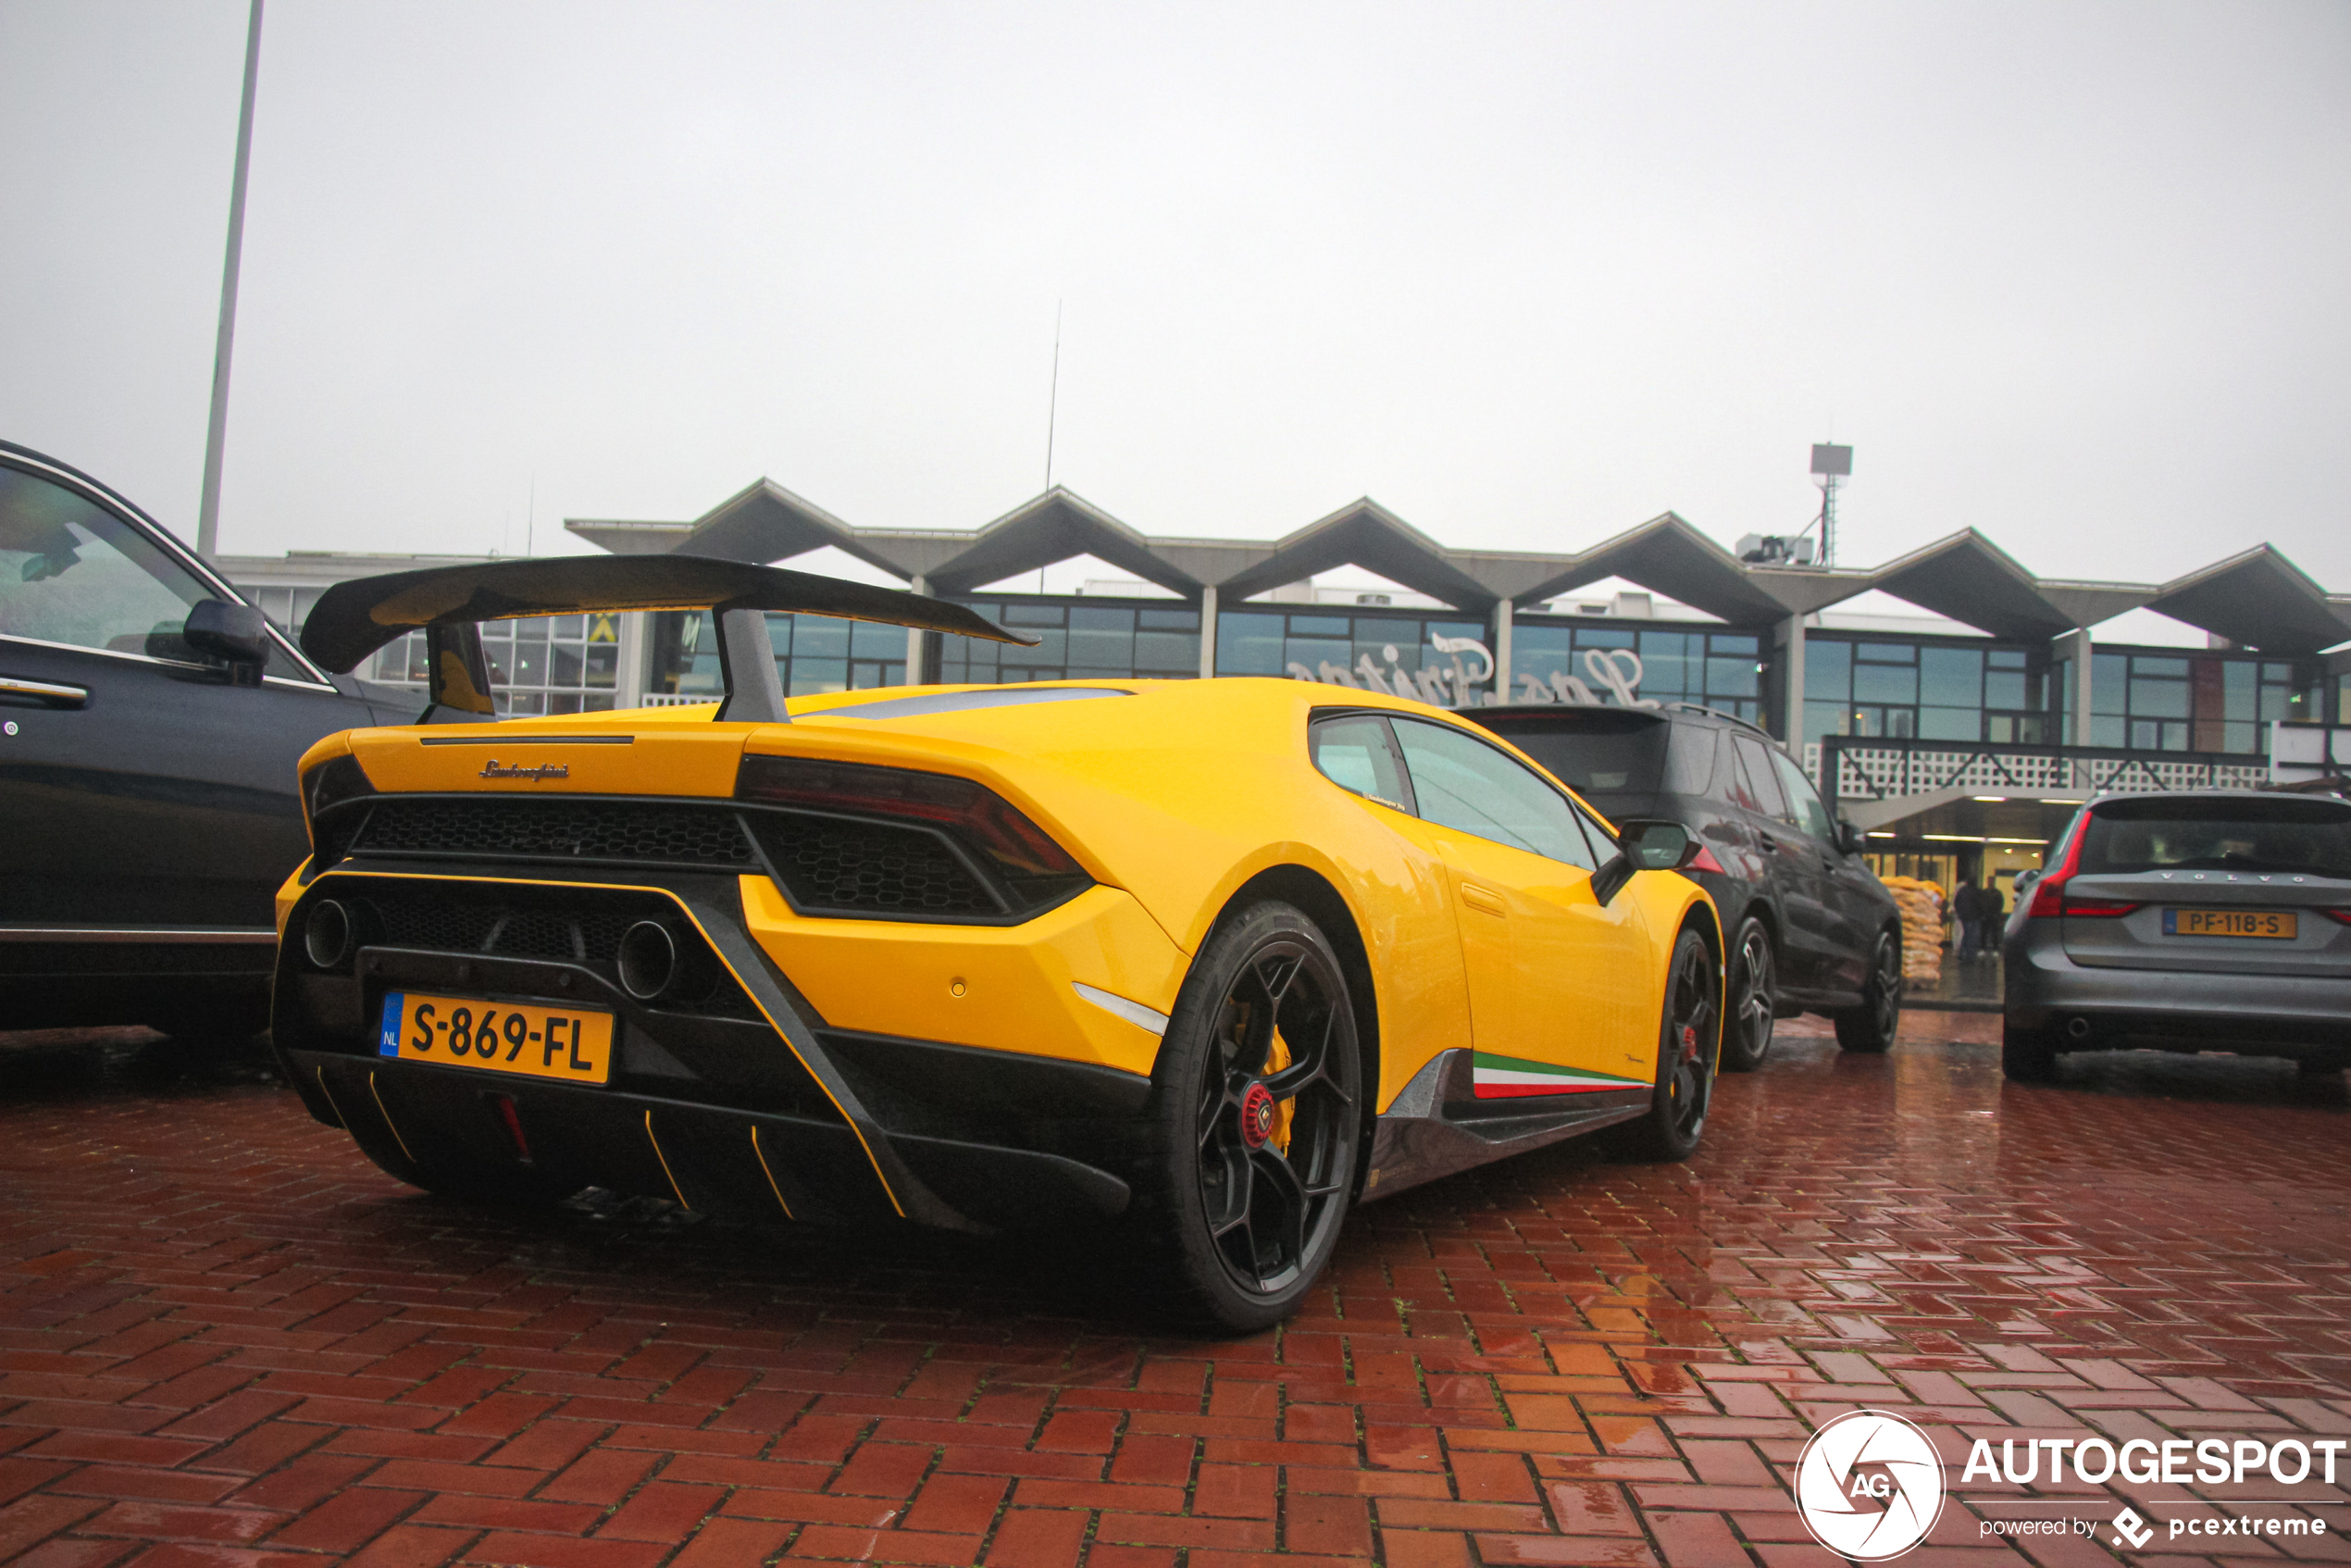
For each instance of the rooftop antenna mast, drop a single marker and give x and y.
(1831, 466)
(1053, 398)
(1052, 408)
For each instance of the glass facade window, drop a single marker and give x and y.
(1967, 694)
(2189, 702)
(546, 664)
(1078, 641)
(1715, 669)
(813, 654)
(288, 606)
(1396, 650)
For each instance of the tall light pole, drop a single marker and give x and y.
(217, 433)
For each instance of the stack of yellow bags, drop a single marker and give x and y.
(1922, 907)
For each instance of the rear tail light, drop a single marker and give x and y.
(2340, 915)
(1704, 861)
(2049, 897)
(984, 820)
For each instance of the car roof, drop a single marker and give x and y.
(1668, 713)
(2136, 796)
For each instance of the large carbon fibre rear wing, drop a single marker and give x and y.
(352, 619)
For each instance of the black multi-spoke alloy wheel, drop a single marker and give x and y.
(1747, 1030)
(2028, 1056)
(1687, 1048)
(1257, 1108)
(1869, 1027)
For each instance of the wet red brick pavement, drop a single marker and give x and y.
(225, 1339)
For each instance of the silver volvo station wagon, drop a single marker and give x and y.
(2212, 919)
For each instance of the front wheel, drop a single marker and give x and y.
(1258, 1109)
(1686, 1048)
(1869, 1027)
(1747, 1031)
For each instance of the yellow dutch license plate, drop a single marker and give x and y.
(2277, 925)
(465, 1031)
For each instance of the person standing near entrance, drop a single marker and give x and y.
(1991, 914)
(1963, 924)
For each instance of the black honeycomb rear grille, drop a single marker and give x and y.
(830, 863)
(629, 832)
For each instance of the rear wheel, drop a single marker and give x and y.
(1747, 1028)
(1257, 1108)
(1869, 1027)
(1686, 1048)
(2028, 1056)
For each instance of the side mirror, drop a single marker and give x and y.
(1658, 846)
(1848, 838)
(2025, 879)
(235, 634)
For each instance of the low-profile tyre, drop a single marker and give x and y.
(1257, 1111)
(1687, 1045)
(2028, 1056)
(1869, 1027)
(1747, 1023)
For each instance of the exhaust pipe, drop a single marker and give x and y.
(648, 960)
(327, 933)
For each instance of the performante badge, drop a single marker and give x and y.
(1869, 1486)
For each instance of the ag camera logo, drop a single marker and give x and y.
(1869, 1486)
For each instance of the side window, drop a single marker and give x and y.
(72, 572)
(1354, 753)
(1809, 813)
(1689, 760)
(1752, 783)
(1462, 783)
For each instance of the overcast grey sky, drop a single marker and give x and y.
(2072, 273)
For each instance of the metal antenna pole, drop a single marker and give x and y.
(1052, 405)
(217, 432)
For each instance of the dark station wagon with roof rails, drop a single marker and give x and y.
(1811, 928)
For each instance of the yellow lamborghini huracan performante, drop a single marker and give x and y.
(1199, 964)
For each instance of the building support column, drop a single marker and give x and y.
(1208, 633)
(918, 645)
(634, 659)
(1502, 650)
(1788, 639)
(2075, 645)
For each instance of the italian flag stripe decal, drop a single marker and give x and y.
(1505, 1077)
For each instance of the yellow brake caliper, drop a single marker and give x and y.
(1276, 1058)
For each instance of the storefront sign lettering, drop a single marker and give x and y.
(1615, 671)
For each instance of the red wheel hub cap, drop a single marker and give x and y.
(1257, 1116)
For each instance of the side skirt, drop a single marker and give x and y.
(1437, 1125)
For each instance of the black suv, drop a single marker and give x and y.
(150, 723)
(1810, 927)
